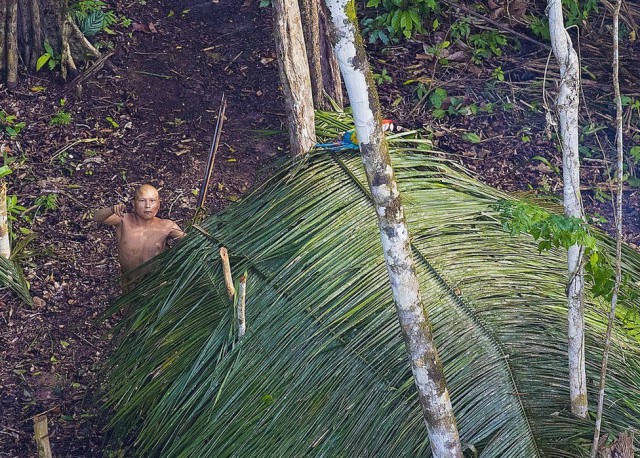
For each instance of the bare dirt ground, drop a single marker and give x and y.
(149, 117)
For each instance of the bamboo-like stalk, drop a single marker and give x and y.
(42, 436)
(242, 293)
(12, 42)
(618, 219)
(567, 105)
(425, 363)
(226, 269)
(5, 243)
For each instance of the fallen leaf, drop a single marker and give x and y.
(266, 60)
(144, 28)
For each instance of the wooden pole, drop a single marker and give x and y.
(5, 243)
(242, 323)
(42, 436)
(226, 269)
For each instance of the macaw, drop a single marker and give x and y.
(349, 141)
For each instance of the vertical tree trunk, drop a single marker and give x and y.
(618, 219)
(294, 75)
(567, 105)
(5, 244)
(425, 364)
(311, 27)
(38, 42)
(12, 42)
(323, 66)
(331, 80)
(3, 44)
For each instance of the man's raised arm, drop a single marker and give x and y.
(111, 216)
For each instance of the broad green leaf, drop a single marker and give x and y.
(43, 59)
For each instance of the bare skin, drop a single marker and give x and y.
(141, 235)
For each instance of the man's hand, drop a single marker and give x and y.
(110, 216)
(119, 210)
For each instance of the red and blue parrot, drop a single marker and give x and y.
(349, 141)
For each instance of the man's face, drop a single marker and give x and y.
(147, 203)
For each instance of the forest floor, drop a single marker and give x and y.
(149, 116)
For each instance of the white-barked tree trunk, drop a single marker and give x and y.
(425, 364)
(567, 106)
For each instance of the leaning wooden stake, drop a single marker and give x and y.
(42, 436)
(618, 219)
(425, 364)
(226, 269)
(242, 293)
(5, 243)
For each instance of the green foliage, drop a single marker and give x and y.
(48, 202)
(382, 78)
(461, 29)
(485, 44)
(92, 16)
(60, 118)
(322, 370)
(576, 12)
(50, 58)
(398, 18)
(498, 74)
(559, 231)
(9, 124)
(441, 103)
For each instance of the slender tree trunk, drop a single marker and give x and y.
(3, 44)
(425, 364)
(323, 66)
(567, 105)
(618, 218)
(5, 244)
(309, 14)
(331, 79)
(12, 42)
(294, 75)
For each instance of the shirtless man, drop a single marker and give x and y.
(141, 235)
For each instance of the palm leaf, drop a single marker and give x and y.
(11, 276)
(322, 369)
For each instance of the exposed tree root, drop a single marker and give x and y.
(25, 25)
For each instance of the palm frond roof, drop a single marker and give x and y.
(322, 370)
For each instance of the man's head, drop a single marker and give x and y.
(146, 202)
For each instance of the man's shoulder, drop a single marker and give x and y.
(169, 223)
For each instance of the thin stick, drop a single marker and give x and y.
(242, 323)
(618, 218)
(42, 436)
(202, 195)
(226, 269)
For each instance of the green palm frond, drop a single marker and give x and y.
(322, 370)
(11, 276)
